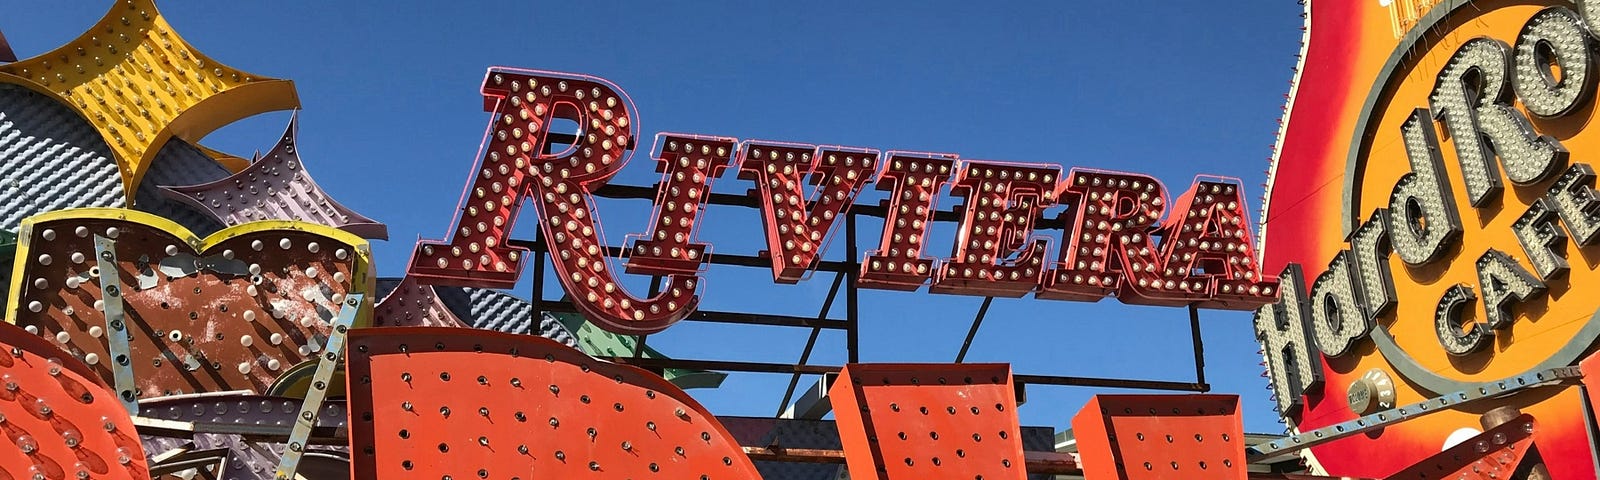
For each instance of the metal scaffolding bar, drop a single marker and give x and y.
(847, 272)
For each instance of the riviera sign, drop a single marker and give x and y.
(1204, 257)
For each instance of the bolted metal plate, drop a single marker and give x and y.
(413, 304)
(241, 413)
(255, 300)
(58, 418)
(275, 187)
(430, 402)
(1493, 454)
(222, 422)
(1140, 437)
(793, 433)
(922, 421)
(237, 458)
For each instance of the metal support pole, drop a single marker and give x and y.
(853, 334)
(811, 343)
(977, 321)
(655, 289)
(538, 282)
(1199, 346)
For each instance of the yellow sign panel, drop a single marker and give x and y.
(139, 84)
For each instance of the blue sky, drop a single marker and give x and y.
(392, 122)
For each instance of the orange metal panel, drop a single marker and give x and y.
(1494, 454)
(436, 402)
(58, 419)
(1137, 437)
(927, 421)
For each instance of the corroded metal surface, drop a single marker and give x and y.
(254, 301)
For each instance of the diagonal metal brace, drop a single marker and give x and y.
(1482, 391)
(332, 351)
(105, 253)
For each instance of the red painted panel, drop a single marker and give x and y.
(430, 402)
(58, 419)
(1138, 437)
(928, 421)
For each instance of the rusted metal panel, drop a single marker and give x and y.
(427, 402)
(231, 312)
(58, 418)
(921, 421)
(1138, 437)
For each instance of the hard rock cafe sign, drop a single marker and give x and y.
(1433, 211)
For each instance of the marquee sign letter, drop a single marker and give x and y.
(798, 229)
(914, 179)
(687, 164)
(1423, 220)
(1284, 332)
(1208, 249)
(993, 254)
(1369, 248)
(1336, 314)
(515, 166)
(1111, 215)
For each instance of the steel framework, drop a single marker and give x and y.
(845, 276)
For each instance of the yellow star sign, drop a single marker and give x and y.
(139, 85)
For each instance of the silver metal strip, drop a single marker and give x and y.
(216, 458)
(1482, 391)
(105, 253)
(814, 403)
(332, 351)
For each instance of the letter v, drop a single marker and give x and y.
(797, 229)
